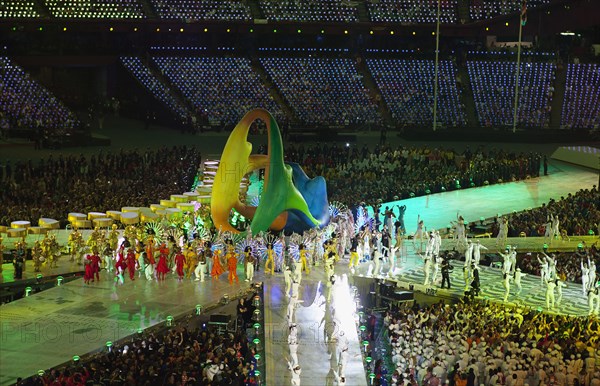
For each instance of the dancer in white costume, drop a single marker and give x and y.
(506, 283)
(550, 285)
(551, 266)
(513, 259)
(585, 277)
(343, 349)
(430, 244)
(518, 276)
(592, 274)
(502, 231)
(420, 234)
(293, 346)
(477, 252)
(287, 278)
(594, 300)
(459, 231)
(544, 270)
(377, 257)
(426, 268)
(437, 243)
(437, 262)
(295, 373)
(506, 263)
(559, 286)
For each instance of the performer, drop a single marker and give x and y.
(203, 257)
(555, 227)
(377, 257)
(131, 263)
(446, 267)
(401, 211)
(295, 372)
(191, 261)
(287, 278)
(232, 266)
(217, 267)
(559, 286)
(544, 269)
(162, 267)
(592, 273)
(477, 252)
(548, 230)
(437, 262)
(353, 253)
(303, 253)
(36, 256)
(506, 283)
(18, 264)
(87, 273)
(518, 276)
(108, 258)
(426, 268)
(148, 266)
(507, 262)
(550, 285)
(120, 263)
(270, 264)
(249, 263)
(95, 263)
(475, 283)
(420, 234)
(179, 263)
(594, 300)
(502, 232)
(459, 231)
(585, 277)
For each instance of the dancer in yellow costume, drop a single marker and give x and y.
(191, 261)
(303, 253)
(270, 264)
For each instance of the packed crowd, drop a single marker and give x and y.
(581, 103)
(490, 344)
(309, 10)
(389, 174)
(323, 91)
(26, 104)
(412, 11)
(578, 215)
(88, 9)
(493, 86)
(106, 181)
(194, 10)
(221, 89)
(407, 87)
(143, 74)
(179, 356)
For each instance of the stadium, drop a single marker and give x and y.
(401, 192)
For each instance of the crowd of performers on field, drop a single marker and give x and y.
(150, 251)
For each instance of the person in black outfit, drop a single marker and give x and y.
(18, 263)
(475, 283)
(446, 271)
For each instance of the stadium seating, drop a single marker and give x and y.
(581, 104)
(308, 10)
(412, 11)
(487, 9)
(18, 9)
(155, 86)
(493, 84)
(191, 10)
(28, 105)
(90, 9)
(323, 90)
(223, 89)
(407, 87)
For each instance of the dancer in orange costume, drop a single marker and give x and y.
(179, 263)
(270, 264)
(232, 267)
(217, 268)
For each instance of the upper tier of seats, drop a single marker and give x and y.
(581, 104)
(412, 11)
(192, 10)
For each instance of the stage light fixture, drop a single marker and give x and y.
(391, 32)
(414, 33)
(205, 29)
(111, 29)
(346, 32)
(180, 29)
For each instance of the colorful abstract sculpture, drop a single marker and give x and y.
(290, 200)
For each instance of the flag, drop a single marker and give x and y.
(524, 12)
